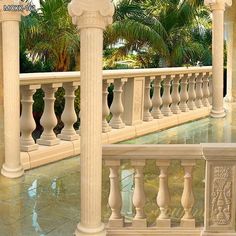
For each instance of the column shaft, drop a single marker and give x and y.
(12, 167)
(218, 63)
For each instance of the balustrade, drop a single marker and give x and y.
(174, 90)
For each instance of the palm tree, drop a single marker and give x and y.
(162, 33)
(49, 35)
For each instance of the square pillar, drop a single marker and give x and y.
(133, 101)
(220, 189)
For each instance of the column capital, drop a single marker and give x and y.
(91, 13)
(12, 10)
(218, 4)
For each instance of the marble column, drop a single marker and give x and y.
(230, 28)
(218, 8)
(12, 167)
(1, 104)
(91, 18)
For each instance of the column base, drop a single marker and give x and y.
(218, 114)
(12, 173)
(163, 223)
(83, 231)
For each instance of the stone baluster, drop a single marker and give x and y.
(192, 92)
(115, 200)
(184, 93)
(210, 90)
(175, 95)
(206, 91)
(49, 119)
(27, 122)
(139, 195)
(117, 107)
(163, 197)
(199, 92)
(166, 97)
(147, 100)
(105, 108)
(69, 116)
(187, 199)
(156, 99)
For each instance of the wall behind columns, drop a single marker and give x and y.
(1, 104)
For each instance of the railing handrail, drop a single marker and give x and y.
(169, 151)
(74, 76)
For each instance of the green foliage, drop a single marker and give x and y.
(161, 33)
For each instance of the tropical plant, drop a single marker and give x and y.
(48, 35)
(161, 33)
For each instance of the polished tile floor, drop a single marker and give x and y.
(46, 200)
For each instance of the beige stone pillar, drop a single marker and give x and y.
(218, 8)
(12, 167)
(230, 28)
(1, 104)
(91, 18)
(220, 189)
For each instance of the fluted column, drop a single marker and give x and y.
(163, 197)
(91, 18)
(156, 99)
(230, 28)
(115, 200)
(12, 167)
(175, 95)
(187, 199)
(139, 195)
(1, 103)
(147, 100)
(49, 119)
(218, 8)
(206, 91)
(184, 93)
(27, 122)
(117, 106)
(105, 109)
(199, 92)
(166, 97)
(69, 116)
(192, 92)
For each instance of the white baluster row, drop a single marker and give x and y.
(139, 198)
(172, 94)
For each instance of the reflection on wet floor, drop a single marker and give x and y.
(46, 200)
(208, 130)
